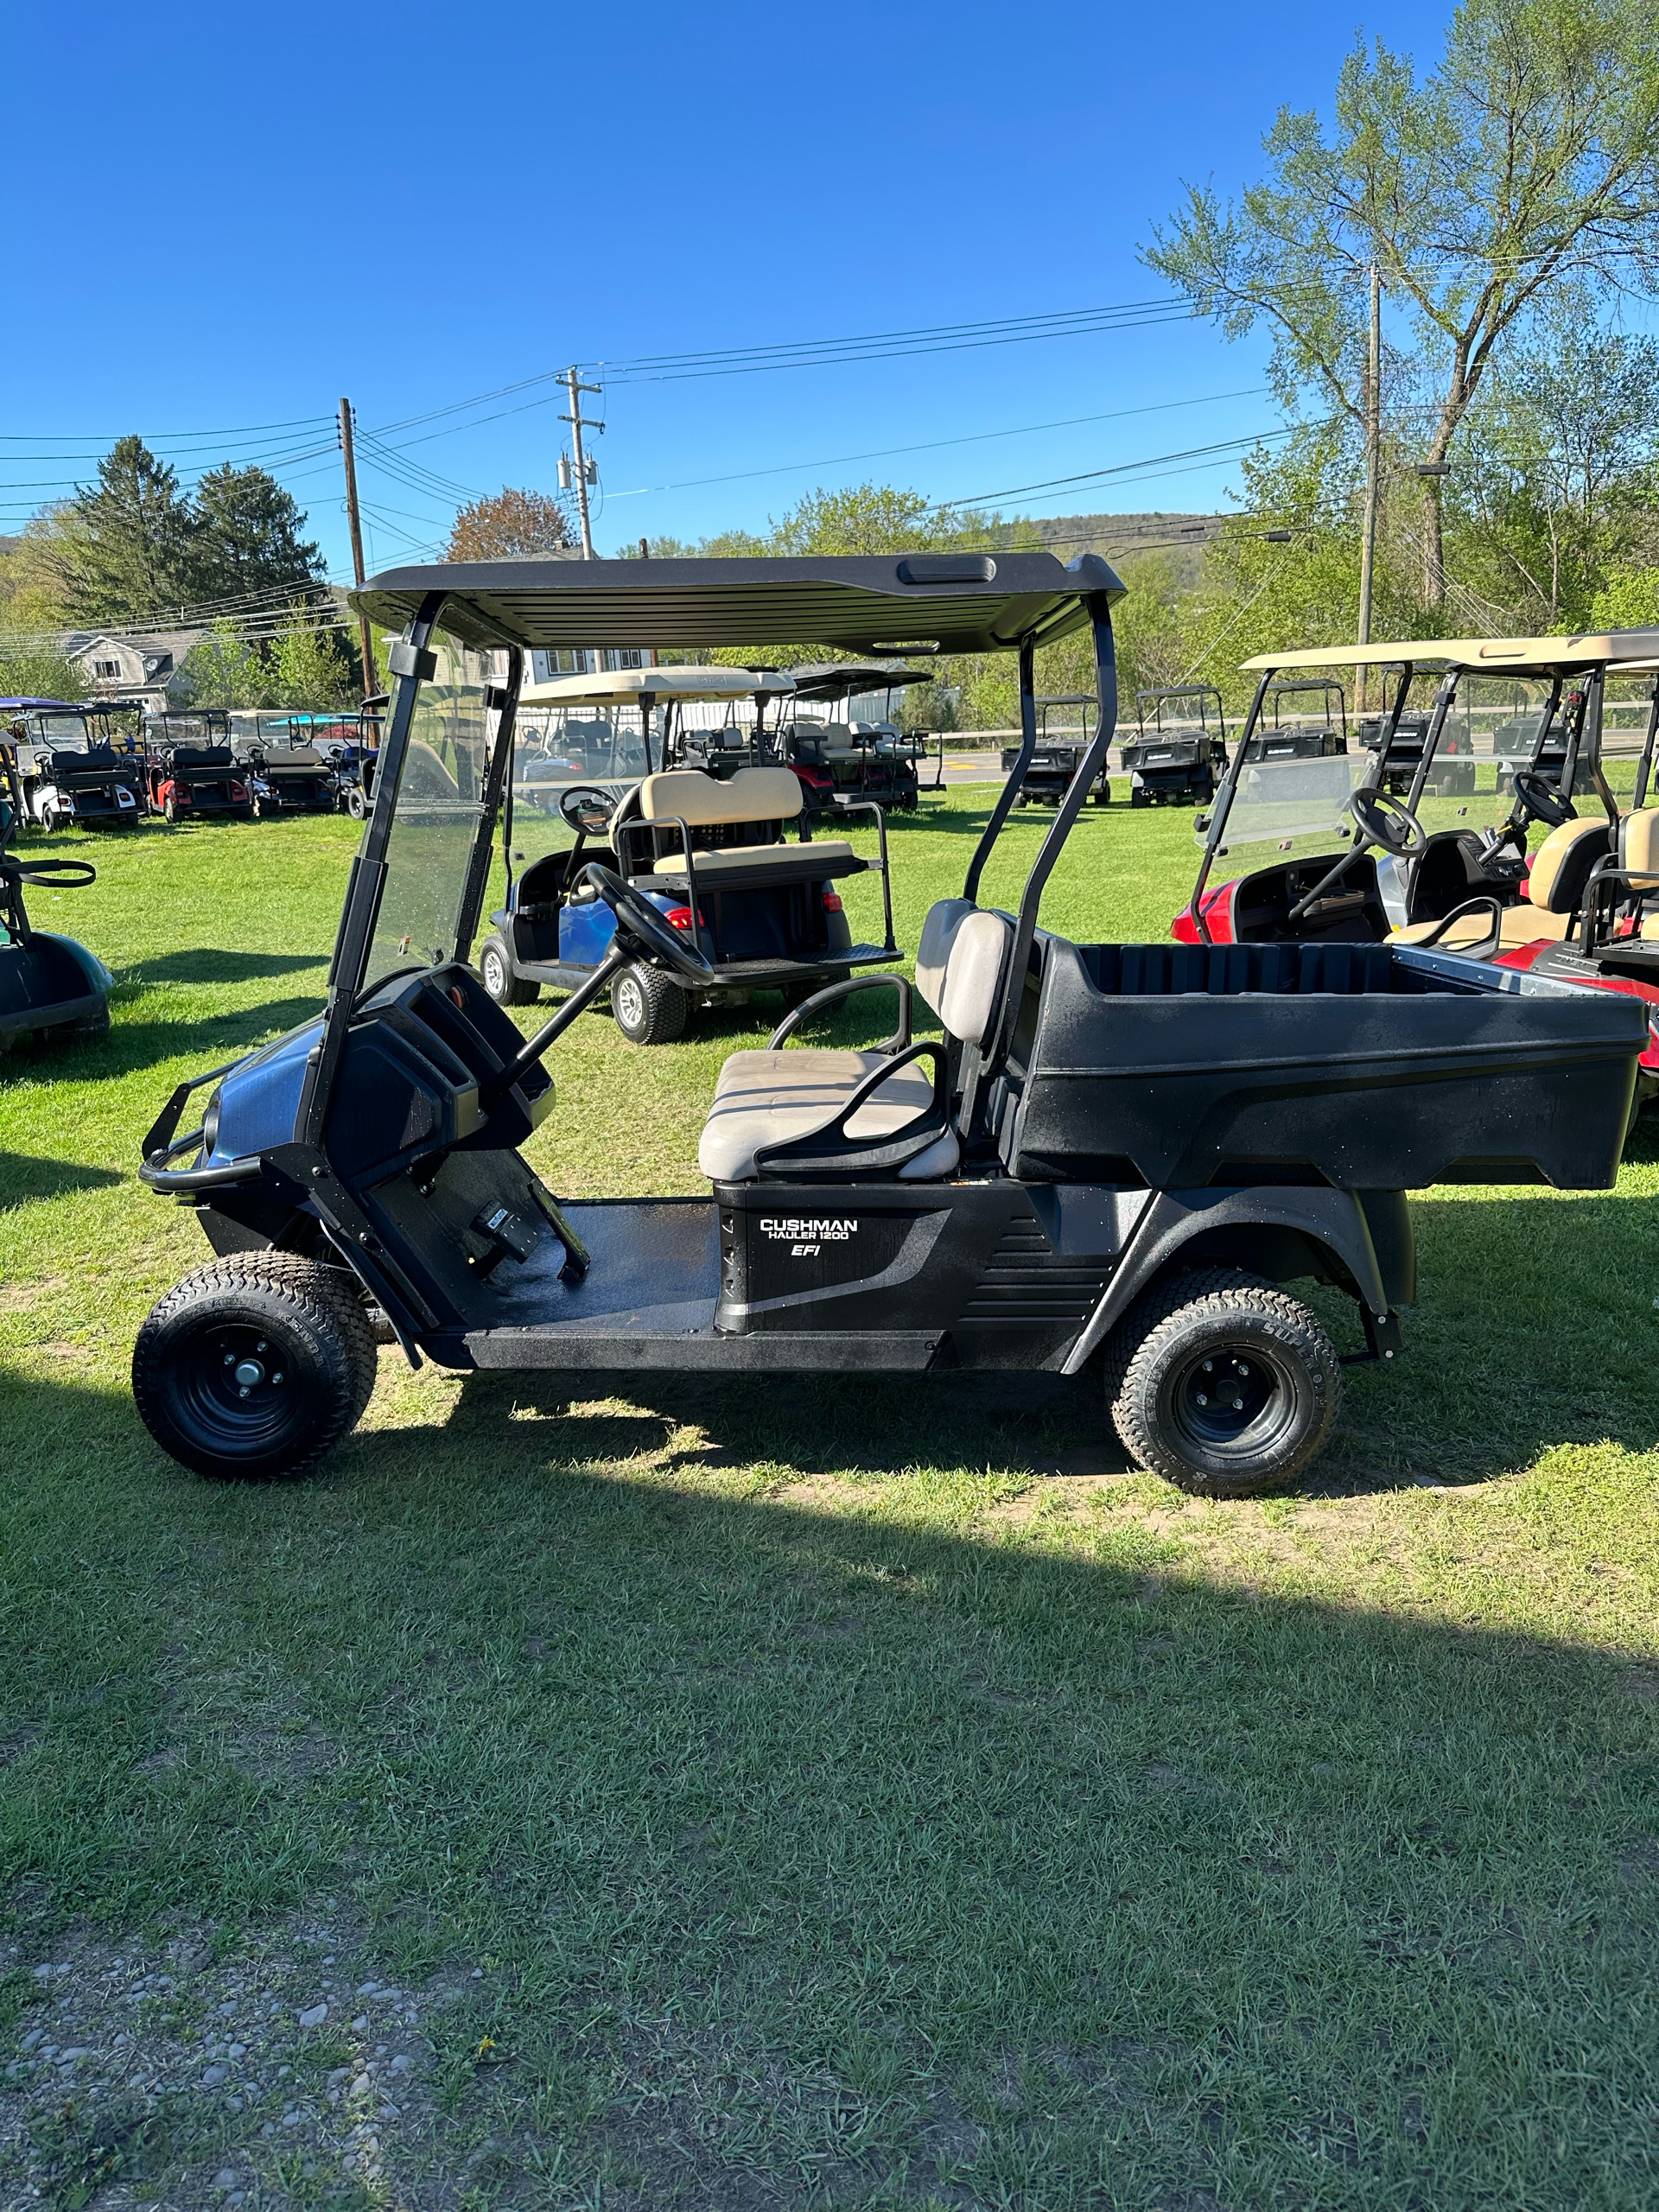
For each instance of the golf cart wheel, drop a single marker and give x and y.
(356, 805)
(170, 810)
(1140, 798)
(648, 1007)
(1222, 1383)
(91, 1029)
(254, 1366)
(495, 968)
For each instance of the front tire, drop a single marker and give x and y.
(1222, 1383)
(649, 1008)
(496, 972)
(356, 805)
(254, 1366)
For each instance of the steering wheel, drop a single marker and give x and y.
(1541, 802)
(637, 919)
(55, 876)
(1388, 823)
(589, 811)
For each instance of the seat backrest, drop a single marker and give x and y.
(945, 918)
(1561, 865)
(752, 795)
(972, 974)
(1638, 841)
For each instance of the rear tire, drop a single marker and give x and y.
(356, 805)
(649, 1009)
(495, 970)
(254, 1366)
(1222, 1383)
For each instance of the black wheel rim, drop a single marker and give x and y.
(236, 1389)
(1232, 1401)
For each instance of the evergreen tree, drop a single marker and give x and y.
(245, 537)
(129, 555)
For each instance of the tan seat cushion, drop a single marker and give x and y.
(752, 795)
(1554, 882)
(827, 851)
(1522, 925)
(1638, 841)
(764, 1098)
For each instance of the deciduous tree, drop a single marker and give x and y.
(1528, 160)
(509, 525)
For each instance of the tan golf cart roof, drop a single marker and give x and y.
(626, 687)
(1533, 655)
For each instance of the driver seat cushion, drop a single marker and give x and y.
(1561, 865)
(1521, 925)
(1638, 841)
(765, 1098)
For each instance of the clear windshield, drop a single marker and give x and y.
(67, 732)
(1280, 799)
(554, 747)
(440, 798)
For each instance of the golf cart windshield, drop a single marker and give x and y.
(65, 732)
(439, 800)
(1279, 800)
(554, 747)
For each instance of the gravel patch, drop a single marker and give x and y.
(197, 2077)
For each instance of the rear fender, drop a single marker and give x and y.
(1359, 1240)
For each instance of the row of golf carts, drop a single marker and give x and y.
(1103, 1159)
(108, 764)
(1179, 753)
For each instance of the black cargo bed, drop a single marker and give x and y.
(1364, 1066)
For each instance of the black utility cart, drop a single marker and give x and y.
(1110, 1164)
(1049, 769)
(1180, 758)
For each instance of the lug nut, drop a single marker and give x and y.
(1203, 1401)
(1238, 1405)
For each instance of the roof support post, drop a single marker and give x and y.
(1088, 769)
(365, 884)
(1016, 775)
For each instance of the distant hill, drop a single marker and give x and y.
(1183, 537)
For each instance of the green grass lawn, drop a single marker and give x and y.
(702, 1793)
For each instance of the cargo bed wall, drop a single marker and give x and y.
(1362, 1066)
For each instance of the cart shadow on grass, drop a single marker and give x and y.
(133, 1044)
(208, 964)
(23, 1179)
(1020, 1867)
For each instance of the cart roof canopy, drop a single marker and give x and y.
(1529, 655)
(50, 707)
(835, 679)
(868, 603)
(626, 687)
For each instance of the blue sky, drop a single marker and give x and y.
(223, 218)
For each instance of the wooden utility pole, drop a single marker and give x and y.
(1373, 470)
(577, 426)
(364, 638)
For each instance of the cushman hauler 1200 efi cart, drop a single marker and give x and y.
(1114, 1157)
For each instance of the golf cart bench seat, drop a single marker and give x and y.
(775, 1097)
(1556, 887)
(757, 799)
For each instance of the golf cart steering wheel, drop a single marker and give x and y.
(54, 875)
(1542, 803)
(1389, 822)
(636, 917)
(589, 811)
